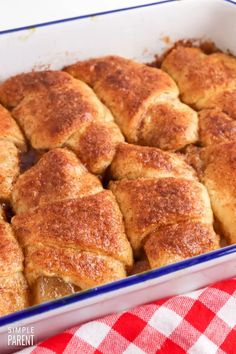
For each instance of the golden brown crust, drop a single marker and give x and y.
(58, 175)
(96, 145)
(13, 90)
(123, 84)
(193, 158)
(169, 125)
(9, 168)
(200, 77)
(9, 130)
(11, 257)
(84, 269)
(132, 91)
(220, 180)
(216, 127)
(149, 203)
(13, 287)
(225, 101)
(50, 117)
(55, 110)
(13, 294)
(173, 243)
(133, 161)
(92, 223)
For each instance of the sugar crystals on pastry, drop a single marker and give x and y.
(55, 110)
(149, 203)
(216, 127)
(133, 161)
(81, 241)
(166, 210)
(172, 243)
(220, 179)
(11, 142)
(9, 130)
(143, 100)
(58, 175)
(203, 79)
(13, 286)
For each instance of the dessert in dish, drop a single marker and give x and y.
(69, 227)
(13, 286)
(131, 166)
(143, 100)
(208, 83)
(169, 199)
(53, 109)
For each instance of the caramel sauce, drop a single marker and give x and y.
(51, 288)
(139, 267)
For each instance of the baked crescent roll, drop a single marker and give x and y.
(216, 127)
(81, 268)
(13, 90)
(9, 168)
(143, 100)
(54, 110)
(13, 287)
(225, 101)
(147, 204)
(82, 241)
(96, 145)
(50, 117)
(133, 161)
(9, 130)
(11, 139)
(203, 79)
(173, 243)
(58, 175)
(71, 230)
(220, 180)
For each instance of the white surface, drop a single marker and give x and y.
(19, 13)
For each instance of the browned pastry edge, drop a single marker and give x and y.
(55, 110)
(134, 161)
(173, 243)
(93, 223)
(82, 268)
(143, 100)
(220, 180)
(201, 78)
(57, 176)
(13, 293)
(13, 286)
(13, 90)
(149, 203)
(216, 127)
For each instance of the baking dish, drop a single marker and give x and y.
(139, 33)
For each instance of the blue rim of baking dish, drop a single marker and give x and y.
(131, 280)
(116, 285)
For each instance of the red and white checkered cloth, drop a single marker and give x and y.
(200, 322)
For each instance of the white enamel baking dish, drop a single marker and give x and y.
(140, 33)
